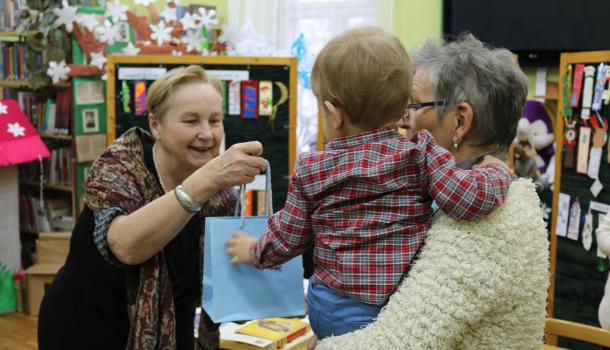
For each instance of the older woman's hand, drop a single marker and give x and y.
(237, 165)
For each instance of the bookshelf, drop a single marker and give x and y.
(52, 206)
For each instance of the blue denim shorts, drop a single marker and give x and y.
(334, 314)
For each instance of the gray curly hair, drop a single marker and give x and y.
(489, 79)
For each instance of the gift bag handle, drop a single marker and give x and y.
(268, 198)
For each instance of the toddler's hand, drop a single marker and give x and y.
(238, 246)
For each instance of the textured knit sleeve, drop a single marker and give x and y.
(477, 285)
(289, 232)
(461, 194)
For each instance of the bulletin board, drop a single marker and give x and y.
(278, 136)
(578, 276)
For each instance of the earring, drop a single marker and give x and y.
(455, 143)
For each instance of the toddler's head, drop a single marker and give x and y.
(366, 74)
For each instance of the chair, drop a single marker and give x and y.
(560, 328)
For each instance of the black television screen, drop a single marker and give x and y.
(537, 30)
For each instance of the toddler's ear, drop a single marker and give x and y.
(335, 114)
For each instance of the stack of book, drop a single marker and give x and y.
(269, 334)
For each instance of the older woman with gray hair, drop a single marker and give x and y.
(480, 284)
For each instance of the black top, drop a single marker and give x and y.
(85, 306)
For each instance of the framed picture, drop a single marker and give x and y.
(123, 30)
(91, 122)
(89, 92)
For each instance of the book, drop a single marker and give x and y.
(299, 343)
(231, 340)
(277, 329)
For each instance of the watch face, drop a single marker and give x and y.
(571, 135)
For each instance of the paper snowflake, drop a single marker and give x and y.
(130, 50)
(108, 33)
(65, 15)
(169, 14)
(58, 71)
(3, 109)
(192, 39)
(116, 11)
(98, 59)
(16, 129)
(87, 21)
(188, 22)
(176, 53)
(160, 32)
(206, 18)
(144, 3)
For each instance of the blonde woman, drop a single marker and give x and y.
(132, 277)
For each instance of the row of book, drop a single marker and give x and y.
(48, 114)
(9, 14)
(52, 214)
(57, 169)
(13, 61)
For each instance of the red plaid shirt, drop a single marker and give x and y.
(365, 204)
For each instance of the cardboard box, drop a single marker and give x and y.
(51, 250)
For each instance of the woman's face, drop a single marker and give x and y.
(427, 117)
(191, 130)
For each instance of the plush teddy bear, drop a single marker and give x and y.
(536, 124)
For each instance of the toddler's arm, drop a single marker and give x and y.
(462, 194)
(289, 232)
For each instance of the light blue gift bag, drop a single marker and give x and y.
(243, 292)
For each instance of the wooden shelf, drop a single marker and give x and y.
(48, 135)
(36, 184)
(26, 84)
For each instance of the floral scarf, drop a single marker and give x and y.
(120, 179)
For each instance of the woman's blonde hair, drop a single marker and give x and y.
(162, 89)
(367, 73)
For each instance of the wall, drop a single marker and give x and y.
(415, 20)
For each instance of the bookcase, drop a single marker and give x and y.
(48, 188)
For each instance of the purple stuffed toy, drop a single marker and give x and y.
(541, 131)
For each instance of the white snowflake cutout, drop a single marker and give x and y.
(116, 11)
(169, 14)
(188, 22)
(192, 39)
(16, 129)
(144, 3)
(130, 50)
(176, 53)
(98, 59)
(65, 15)
(87, 21)
(160, 32)
(58, 71)
(108, 33)
(3, 108)
(206, 18)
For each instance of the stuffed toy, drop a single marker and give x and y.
(603, 243)
(525, 152)
(541, 130)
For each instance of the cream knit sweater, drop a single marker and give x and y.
(477, 285)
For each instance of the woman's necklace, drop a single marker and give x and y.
(154, 151)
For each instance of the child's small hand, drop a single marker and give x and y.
(238, 246)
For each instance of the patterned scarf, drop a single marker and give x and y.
(119, 178)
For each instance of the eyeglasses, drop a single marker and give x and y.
(417, 106)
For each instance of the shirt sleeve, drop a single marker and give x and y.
(461, 194)
(289, 232)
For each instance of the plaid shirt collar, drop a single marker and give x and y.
(365, 137)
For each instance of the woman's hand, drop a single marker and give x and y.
(237, 165)
(312, 343)
(238, 246)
